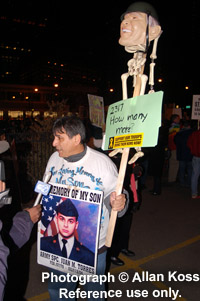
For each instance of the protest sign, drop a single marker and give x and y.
(73, 214)
(96, 110)
(196, 107)
(134, 122)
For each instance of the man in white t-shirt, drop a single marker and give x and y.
(78, 165)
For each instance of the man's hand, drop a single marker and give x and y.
(117, 202)
(35, 213)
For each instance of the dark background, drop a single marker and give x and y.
(86, 33)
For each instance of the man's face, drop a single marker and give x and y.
(66, 225)
(64, 144)
(133, 29)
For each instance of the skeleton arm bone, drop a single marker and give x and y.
(144, 79)
(137, 155)
(115, 152)
(151, 74)
(153, 56)
(124, 84)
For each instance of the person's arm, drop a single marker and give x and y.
(4, 252)
(35, 213)
(118, 203)
(23, 223)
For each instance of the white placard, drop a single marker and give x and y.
(196, 107)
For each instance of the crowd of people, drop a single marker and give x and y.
(184, 144)
(70, 136)
(178, 152)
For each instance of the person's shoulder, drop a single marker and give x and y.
(54, 158)
(181, 133)
(49, 238)
(94, 151)
(195, 133)
(83, 248)
(98, 154)
(54, 155)
(189, 132)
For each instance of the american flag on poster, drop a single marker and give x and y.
(48, 224)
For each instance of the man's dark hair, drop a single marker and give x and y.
(72, 125)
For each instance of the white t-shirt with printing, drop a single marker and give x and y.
(94, 171)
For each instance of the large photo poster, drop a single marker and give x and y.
(69, 229)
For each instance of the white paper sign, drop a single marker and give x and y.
(196, 107)
(96, 110)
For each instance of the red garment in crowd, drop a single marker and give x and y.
(194, 143)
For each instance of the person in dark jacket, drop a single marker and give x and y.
(157, 159)
(14, 231)
(19, 234)
(183, 154)
(173, 162)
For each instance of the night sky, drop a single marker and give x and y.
(88, 32)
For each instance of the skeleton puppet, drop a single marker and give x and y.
(139, 27)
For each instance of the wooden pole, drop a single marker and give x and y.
(120, 181)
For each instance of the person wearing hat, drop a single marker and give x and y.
(139, 26)
(64, 243)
